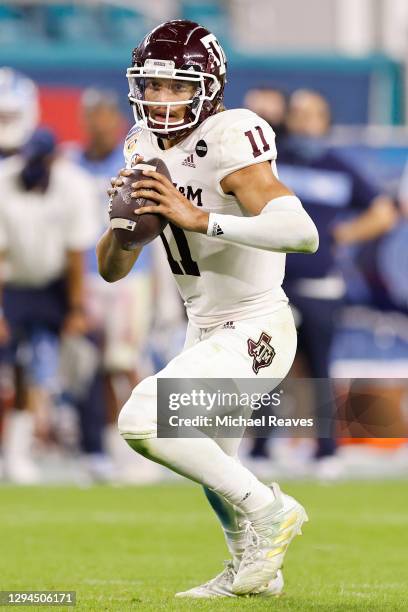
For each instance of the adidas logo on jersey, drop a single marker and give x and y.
(189, 161)
(228, 325)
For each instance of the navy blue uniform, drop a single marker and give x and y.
(331, 190)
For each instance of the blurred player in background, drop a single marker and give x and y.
(403, 191)
(121, 337)
(240, 324)
(18, 118)
(347, 210)
(47, 219)
(270, 103)
(372, 341)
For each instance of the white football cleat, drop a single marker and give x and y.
(221, 586)
(268, 537)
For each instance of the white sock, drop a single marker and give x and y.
(230, 518)
(202, 460)
(236, 542)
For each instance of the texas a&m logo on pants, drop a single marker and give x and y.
(261, 351)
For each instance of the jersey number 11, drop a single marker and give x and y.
(253, 138)
(186, 265)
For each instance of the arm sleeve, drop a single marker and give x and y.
(247, 141)
(283, 226)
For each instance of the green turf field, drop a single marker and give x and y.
(132, 548)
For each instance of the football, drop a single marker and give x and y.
(131, 230)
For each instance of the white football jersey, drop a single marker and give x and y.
(218, 281)
(37, 229)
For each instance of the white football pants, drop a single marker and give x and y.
(217, 352)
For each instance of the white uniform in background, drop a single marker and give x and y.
(232, 293)
(36, 231)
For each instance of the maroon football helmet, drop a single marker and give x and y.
(181, 51)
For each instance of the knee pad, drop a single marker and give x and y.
(138, 417)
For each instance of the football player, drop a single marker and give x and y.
(231, 223)
(45, 225)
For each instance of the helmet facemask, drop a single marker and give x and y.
(206, 86)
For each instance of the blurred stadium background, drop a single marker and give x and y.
(132, 547)
(354, 54)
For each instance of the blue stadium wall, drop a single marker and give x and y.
(357, 89)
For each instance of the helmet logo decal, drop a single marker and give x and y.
(212, 45)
